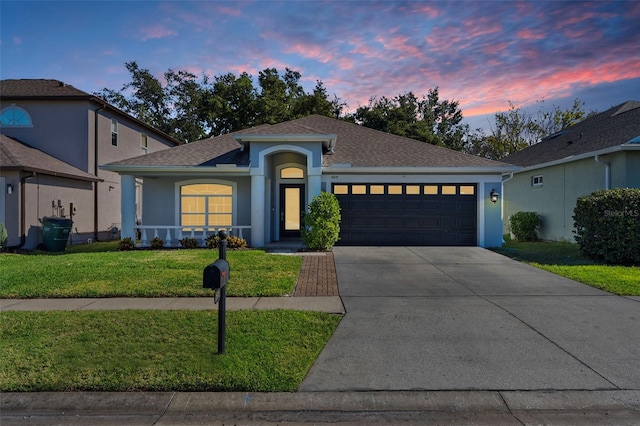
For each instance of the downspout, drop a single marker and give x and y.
(23, 214)
(607, 172)
(95, 172)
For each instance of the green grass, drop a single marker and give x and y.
(565, 259)
(159, 350)
(96, 270)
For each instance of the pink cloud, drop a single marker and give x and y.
(529, 34)
(17, 40)
(429, 11)
(156, 31)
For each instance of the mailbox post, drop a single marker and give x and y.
(215, 276)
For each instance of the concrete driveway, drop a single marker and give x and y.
(432, 318)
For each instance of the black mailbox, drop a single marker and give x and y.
(216, 275)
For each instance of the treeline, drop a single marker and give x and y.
(190, 107)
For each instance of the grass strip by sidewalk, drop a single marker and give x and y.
(159, 350)
(143, 273)
(565, 259)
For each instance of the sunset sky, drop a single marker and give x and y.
(481, 53)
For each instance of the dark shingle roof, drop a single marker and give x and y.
(610, 128)
(15, 155)
(356, 145)
(39, 88)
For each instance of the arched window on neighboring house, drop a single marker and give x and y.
(206, 204)
(14, 116)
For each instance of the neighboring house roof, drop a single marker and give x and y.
(614, 128)
(43, 89)
(356, 146)
(16, 155)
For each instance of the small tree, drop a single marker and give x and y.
(321, 228)
(607, 225)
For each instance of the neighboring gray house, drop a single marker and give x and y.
(601, 152)
(53, 138)
(258, 182)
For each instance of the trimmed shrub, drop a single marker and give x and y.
(607, 225)
(213, 241)
(233, 242)
(189, 243)
(3, 237)
(126, 244)
(524, 226)
(236, 243)
(321, 228)
(157, 243)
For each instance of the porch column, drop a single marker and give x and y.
(315, 187)
(128, 206)
(257, 210)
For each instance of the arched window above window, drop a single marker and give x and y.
(14, 116)
(291, 173)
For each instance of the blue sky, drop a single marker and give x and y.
(480, 53)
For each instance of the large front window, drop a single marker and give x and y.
(206, 204)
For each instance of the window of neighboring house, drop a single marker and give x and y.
(206, 204)
(536, 180)
(14, 116)
(114, 132)
(144, 143)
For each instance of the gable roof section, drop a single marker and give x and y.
(615, 127)
(356, 146)
(15, 155)
(43, 89)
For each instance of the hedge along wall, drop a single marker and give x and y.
(607, 225)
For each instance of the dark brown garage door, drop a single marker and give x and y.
(407, 214)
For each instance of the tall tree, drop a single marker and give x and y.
(516, 129)
(430, 119)
(191, 108)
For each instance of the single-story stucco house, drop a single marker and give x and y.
(258, 182)
(601, 152)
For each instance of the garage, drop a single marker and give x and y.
(434, 214)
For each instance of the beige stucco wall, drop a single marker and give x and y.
(555, 200)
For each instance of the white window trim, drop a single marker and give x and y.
(234, 196)
(114, 130)
(144, 149)
(538, 184)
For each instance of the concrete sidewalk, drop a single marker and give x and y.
(330, 304)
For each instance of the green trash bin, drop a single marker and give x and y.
(55, 233)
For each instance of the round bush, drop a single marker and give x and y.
(607, 225)
(524, 225)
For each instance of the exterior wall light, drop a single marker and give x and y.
(9, 189)
(493, 195)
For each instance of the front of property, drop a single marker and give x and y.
(258, 182)
(601, 152)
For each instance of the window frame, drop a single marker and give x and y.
(178, 200)
(144, 143)
(114, 132)
(14, 107)
(537, 181)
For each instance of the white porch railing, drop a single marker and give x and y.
(171, 235)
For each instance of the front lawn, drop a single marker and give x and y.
(266, 351)
(97, 270)
(565, 259)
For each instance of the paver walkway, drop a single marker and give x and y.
(317, 276)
